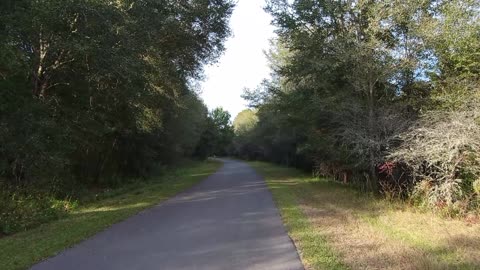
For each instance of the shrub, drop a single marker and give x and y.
(21, 210)
(442, 152)
(476, 186)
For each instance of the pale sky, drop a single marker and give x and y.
(243, 63)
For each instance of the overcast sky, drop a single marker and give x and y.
(244, 63)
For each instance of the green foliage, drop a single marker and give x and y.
(245, 122)
(23, 210)
(245, 128)
(94, 93)
(219, 133)
(381, 94)
(24, 249)
(476, 187)
(99, 90)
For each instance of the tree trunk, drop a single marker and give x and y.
(40, 80)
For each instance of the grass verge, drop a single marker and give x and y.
(335, 227)
(22, 250)
(313, 247)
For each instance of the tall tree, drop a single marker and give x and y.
(361, 91)
(92, 89)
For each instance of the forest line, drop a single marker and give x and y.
(95, 93)
(383, 95)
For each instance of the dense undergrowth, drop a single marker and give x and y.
(24, 208)
(96, 93)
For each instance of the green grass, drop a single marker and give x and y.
(22, 250)
(375, 226)
(313, 247)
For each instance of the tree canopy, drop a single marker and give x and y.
(382, 94)
(94, 89)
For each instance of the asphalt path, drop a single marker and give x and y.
(228, 221)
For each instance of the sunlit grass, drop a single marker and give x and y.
(312, 245)
(364, 232)
(22, 250)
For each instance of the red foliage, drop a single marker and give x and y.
(386, 168)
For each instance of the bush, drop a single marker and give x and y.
(476, 187)
(442, 152)
(21, 210)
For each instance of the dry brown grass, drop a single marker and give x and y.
(374, 234)
(454, 241)
(361, 246)
(370, 233)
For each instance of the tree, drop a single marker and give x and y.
(217, 135)
(367, 92)
(96, 89)
(245, 125)
(223, 130)
(245, 122)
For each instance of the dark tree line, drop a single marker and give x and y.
(92, 90)
(381, 94)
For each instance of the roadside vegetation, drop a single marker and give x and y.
(337, 227)
(382, 95)
(95, 95)
(23, 249)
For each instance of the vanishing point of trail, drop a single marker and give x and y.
(228, 221)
